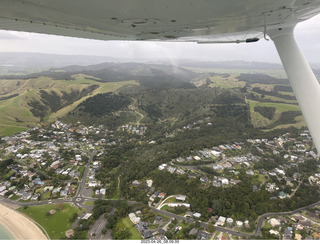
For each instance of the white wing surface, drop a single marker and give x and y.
(179, 20)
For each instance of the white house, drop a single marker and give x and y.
(239, 223)
(225, 181)
(229, 221)
(274, 222)
(221, 221)
(197, 215)
(149, 183)
(181, 197)
(134, 219)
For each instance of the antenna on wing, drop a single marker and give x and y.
(265, 29)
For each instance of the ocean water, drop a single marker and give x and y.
(5, 234)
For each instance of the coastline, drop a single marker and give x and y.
(19, 226)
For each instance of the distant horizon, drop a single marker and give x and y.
(142, 59)
(306, 33)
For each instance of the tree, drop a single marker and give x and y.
(210, 228)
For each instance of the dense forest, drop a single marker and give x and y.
(261, 79)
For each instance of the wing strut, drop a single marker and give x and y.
(303, 81)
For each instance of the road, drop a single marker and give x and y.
(262, 217)
(84, 177)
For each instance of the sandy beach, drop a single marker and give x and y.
(20, 226)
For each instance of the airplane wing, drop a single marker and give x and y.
(202, 21)
(166, 20)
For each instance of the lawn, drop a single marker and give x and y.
(56, 224)
(89, 203)
(128, 225)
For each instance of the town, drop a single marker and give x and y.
(61, 162)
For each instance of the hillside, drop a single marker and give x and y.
(27, 103)
(155, 95)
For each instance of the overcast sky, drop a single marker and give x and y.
(307, 35)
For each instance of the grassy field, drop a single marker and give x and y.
(128, 225)
(56, 224)
(226, 81)
(280, 107)
(260, 121)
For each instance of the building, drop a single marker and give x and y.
(239, 223)
(221, 221)
(134, 219)
(229, 221)
(274, 222)
(197, 215)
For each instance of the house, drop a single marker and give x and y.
(162, 166)
(224, 181)
(34, 197)
(92, 183)
(149, 183)
(26, 196)
(56, 190)
(229, 221)
(204, 179)
(134, 219)
(216, 183)
(254, 188)
(174, 205)
(2, 188)
(247, 223)
(305, 223)
(197, 215)
(87, 216)
(203, 235)
(48, 188)
(221, 221)
(298, 237)
(171, 169)
(274, 222)
(239, 223)
(63, 193)
(180, 171)
(3, 192)
(181, 197)
(250, 172)
(282, 195)
(147, 234)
